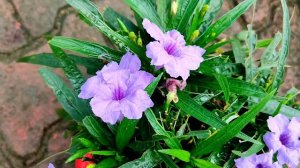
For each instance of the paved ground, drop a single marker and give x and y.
(30, 130)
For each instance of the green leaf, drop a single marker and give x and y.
(201, 134)
(168, 161)
(284, 51)
(224, 23)
(255, 148)
(185, 14)
(148, 160)
(177, 153)
(104, 153)
(223, 82)
(192, 108)
(97, 130)
(76, 108)
(238, 51)
(200, 163)
(226, 133)
(163, 8)
(111, 17)
(249, 63)
(48, 59)
(158, 129)
(145, 9)
(236, 86)
(86, 48)
(107, 163)
(86, 143)
(127, 127)
(269, 57)
(125, 132)
(79, 154)
(70, 68)
(91, 13)
(212, 48)
(214, 8)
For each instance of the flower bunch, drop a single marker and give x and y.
(171, 92)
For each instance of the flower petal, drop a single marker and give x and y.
(156, 51)
(174, 34)
(191, 57)
(135, 104)
(140, 80)
(278, 124)
(272, 141)
(153, 30)
(287, 156)
(175, 69)
(51, 165)
(131, 62)
(90, 88)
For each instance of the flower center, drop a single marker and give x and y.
(285, 139)
(172, 48)
(118, 94)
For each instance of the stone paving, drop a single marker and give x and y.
(30, 130)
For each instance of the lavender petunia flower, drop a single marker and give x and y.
(51, 165)
(257, 161)
(117, 91)
(170, 51)
(284, 138)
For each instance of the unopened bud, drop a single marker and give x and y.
(204, 10)
(174, 7)
(219, 51)
(172, 97)
(139, 42)
(122, 25)
(91, 166)
(195, 35)
(132, 36)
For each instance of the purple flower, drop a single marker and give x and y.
(257, 161)
(117, 91)
(51, 165)
(170, 51)
(284, 138)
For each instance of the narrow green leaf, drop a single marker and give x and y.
(192, 108)
(236, 86)
(200, 163)
(76, 108)
(255, 148)
(163, 10)
(86, 48)
(223, 82)
(214, 8)
(228, 132)
(104, 153)
(127, 127)
(158, 129)
(185, 15)
(177, 153)
(48, 59)
(107, 163)
(168, 161)
(212, 48)
(111, 17)
(224, 23)
(70, 68)
(149, 159)
(79, 154)
(249, 63)
(97, 130)
(269, 57)
(284, 51)
(238, 51)
(91, 13)
(86, 143)
(145, 9)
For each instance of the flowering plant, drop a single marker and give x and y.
(167, 95)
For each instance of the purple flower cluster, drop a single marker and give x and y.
(170, 51)
(117, 91)
(284, 139)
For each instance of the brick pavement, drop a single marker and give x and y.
(30, 130)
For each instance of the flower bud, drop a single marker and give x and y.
(195, 34)
(122, 25)
(204, 10)
(132, 36)
(174, 7)
(139, 42)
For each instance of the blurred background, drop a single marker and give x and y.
(30, 129)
